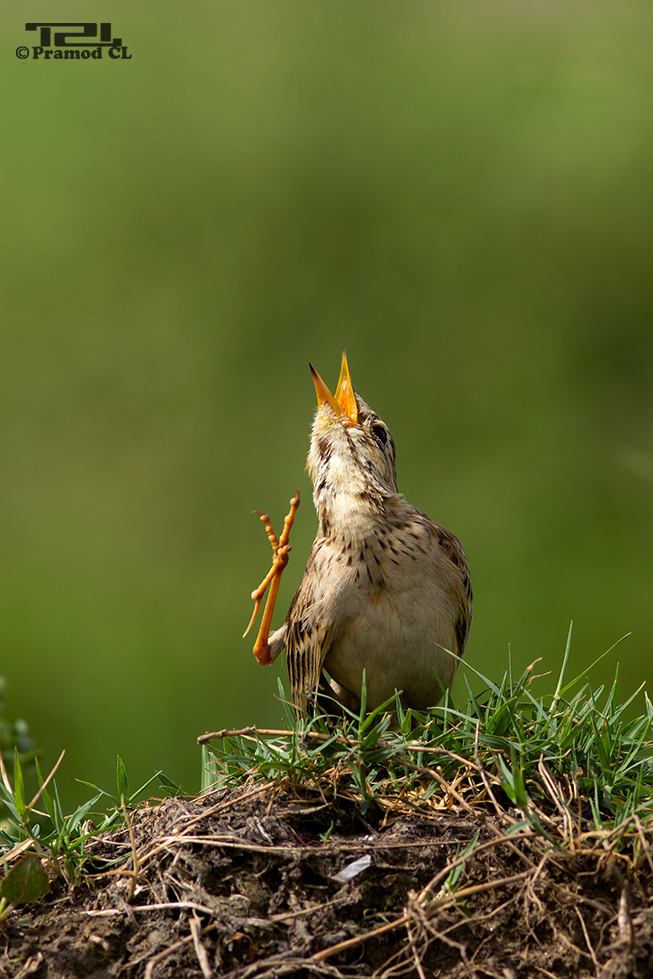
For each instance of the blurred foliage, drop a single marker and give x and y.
(15, 743)
(458, 193)
(14, 735)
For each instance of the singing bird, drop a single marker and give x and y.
(386, 590)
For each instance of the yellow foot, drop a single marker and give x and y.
(280, 551)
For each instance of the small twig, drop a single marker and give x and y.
(6, 907)
(19, 849)
(642, 839)
(439, 903)
(267, 732)
(160, 956)
(290, 915)
(486, 782)
(415, 953)
(284, 964)
(165, 906)
(557, 798)
(360, 939)
(624, 918)
(8, 786)
(200, 951)
(5, 778)
(134, 873)
(47, 781)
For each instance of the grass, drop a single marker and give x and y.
(574, 768)
(48, 832)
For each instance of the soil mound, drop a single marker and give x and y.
(273, 881)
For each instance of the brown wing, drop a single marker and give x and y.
(457, 579)
(308, 637)
(461, 585)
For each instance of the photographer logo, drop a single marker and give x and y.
(73, 42)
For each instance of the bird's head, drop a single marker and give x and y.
(352, 452)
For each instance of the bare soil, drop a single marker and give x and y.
(249, 883)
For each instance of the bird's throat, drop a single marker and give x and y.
(351, 514)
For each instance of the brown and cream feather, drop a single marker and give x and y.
(386, 590)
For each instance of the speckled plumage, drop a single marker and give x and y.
(385, 590)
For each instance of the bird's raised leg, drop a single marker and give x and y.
(280, 551)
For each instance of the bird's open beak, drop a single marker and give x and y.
(344, 404)
(345, 392)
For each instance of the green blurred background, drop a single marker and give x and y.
(461, 194)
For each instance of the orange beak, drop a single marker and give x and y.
(344, 404)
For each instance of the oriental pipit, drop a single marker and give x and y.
(386, 590)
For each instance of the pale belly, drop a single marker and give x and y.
(399, 635)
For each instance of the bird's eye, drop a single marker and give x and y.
(380, 433)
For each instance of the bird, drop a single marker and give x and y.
(386, 596)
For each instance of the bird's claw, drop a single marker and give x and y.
(280, 549)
